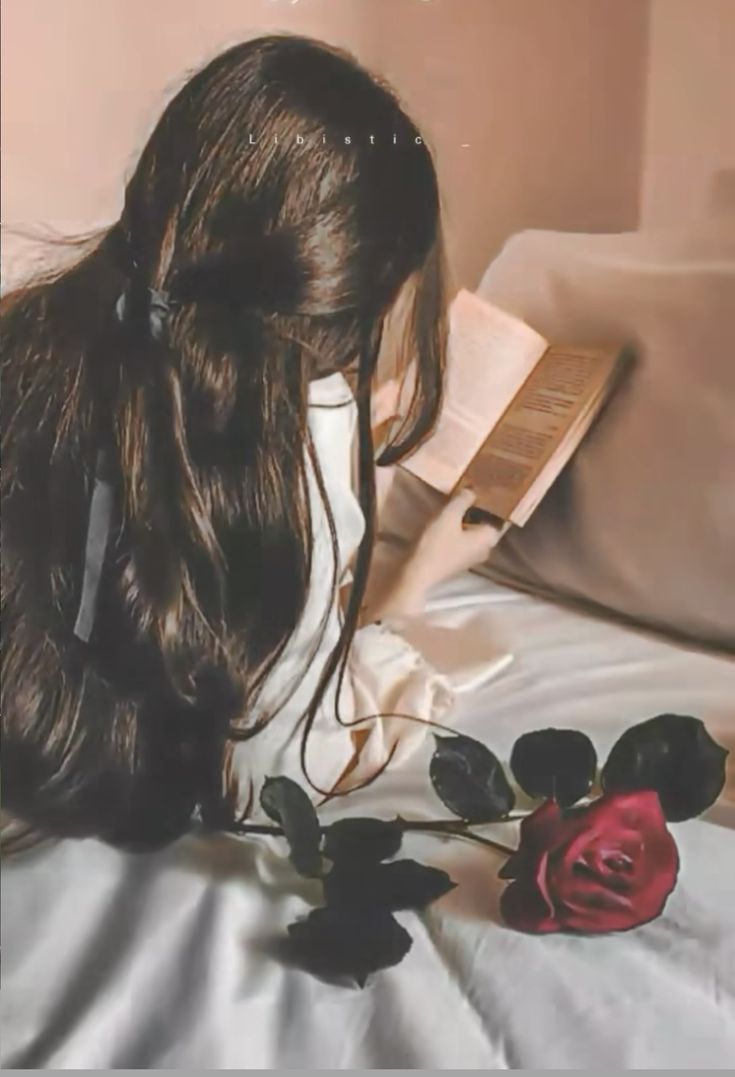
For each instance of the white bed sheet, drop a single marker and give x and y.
(117, 961)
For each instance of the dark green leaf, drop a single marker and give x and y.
(338, 941)
(555, 763)
(401, 885)
(284, 801)
(673, 754)
(362, 840)
(470, 780)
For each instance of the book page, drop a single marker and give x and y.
(559, 458)
(540, 430)
(490, 355)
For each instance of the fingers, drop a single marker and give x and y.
(482, 538)
(479, 535)
(477, 543)
(464, 497)
(477, 516)
(460, 503)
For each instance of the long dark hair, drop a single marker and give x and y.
(281, 260)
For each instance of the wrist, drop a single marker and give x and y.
(408, 595)
(404, 597)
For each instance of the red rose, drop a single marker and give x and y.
(607, 867)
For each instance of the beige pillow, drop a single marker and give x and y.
(642, 520)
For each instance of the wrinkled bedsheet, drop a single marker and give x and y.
(165, 960)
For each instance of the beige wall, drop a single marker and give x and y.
(689, 163)
(548, 94)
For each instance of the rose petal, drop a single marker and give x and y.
(542, 884)
(660, 852)
(516, 865)
(610, 861)
(609, 867)
(636, 827)
(599, 921)
(660, 869)
(539, 829)
(581, 839)
(583, 902)
(634, 811)
(523, 907)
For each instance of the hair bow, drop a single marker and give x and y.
(159, 308)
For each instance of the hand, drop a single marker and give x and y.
(446, 548)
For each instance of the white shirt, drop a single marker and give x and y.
(385, 673)
(275, 750)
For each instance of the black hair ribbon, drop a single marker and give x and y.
(98, 534)
(102, 503)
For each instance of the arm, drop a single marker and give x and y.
(446, 548)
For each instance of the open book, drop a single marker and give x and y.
(514, 411)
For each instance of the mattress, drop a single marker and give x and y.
(166, 960)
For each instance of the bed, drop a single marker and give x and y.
(165, 960)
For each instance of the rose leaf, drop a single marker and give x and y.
(403, 884)
(284, 801)
(362, 840)
(470, 780)
(556, 763)
(674, 755)
(338, 942)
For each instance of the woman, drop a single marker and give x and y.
(179, 525)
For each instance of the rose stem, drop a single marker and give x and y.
(438, 826)
(456, 830)
(497, 845)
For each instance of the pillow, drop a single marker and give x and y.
(642, 520)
